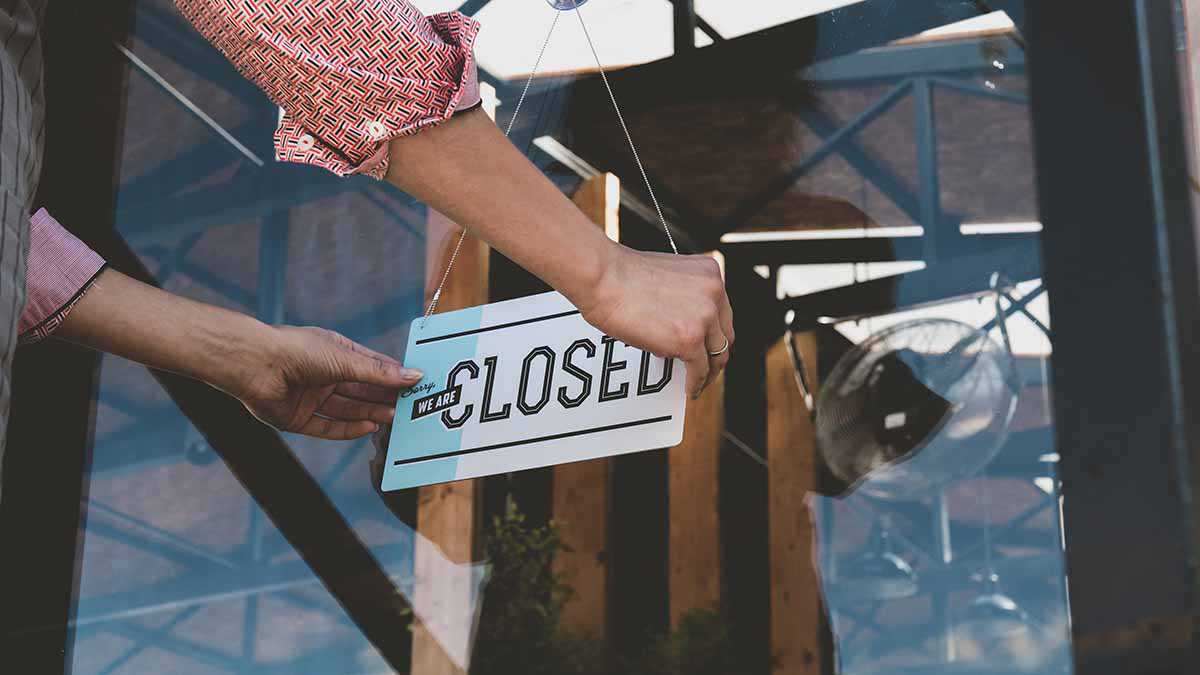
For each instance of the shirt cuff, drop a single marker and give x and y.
(466, 97)
(60, 270)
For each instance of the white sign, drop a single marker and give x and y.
(521, 384)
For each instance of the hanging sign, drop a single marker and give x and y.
(522, 384)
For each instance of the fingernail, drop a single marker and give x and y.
(411, 374)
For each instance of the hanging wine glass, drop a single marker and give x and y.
(878, 574)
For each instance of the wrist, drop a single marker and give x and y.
(587, 278)
(237, 351)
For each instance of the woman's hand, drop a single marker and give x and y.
(670, 305)
(307, 380)
(322, 384)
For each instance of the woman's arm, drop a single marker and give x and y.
(306, 380)
(373, 86)
(671, 305)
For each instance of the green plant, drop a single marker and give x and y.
(519, 629)
(700, 645)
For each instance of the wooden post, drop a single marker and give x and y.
(447, 514)
(582, 491)
(1191, 69)
(694, 553)
(796, 622)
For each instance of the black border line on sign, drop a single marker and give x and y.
(476, 331)
(554, 437)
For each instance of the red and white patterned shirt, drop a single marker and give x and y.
(348, 75)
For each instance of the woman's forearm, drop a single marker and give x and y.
(666, 304)
(469, 171)
(122, 316)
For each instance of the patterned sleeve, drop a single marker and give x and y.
(59, 271)
(348, 75)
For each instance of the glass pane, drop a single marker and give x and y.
(870, 488)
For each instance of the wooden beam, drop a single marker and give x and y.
(694, 546)
(582, 491)
(694, 553)
(1191, 68)
(448, 514)
(796, 621)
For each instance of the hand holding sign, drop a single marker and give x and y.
(319, 383)
(521, 384)
(669, 305)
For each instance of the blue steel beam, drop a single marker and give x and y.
(960, 277)
(190, 590)
(151, 639)
(982, 92)
(472, 7)
(883, 178)
(191, 650)
(195, 564)
(272, 285)
(184, 169)
(375, 198)
(187, 552)
(203, 276)
(741, 213)
(934, 59)
(169, 33)
(927, 167)
(171, 263)
(261, 192)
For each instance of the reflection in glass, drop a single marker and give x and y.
(967, 599)
(870, 158)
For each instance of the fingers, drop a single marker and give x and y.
(723, 339)
(360, 364)
(368, 392)
(337, 430)
(351, 409)
(697, 362)
(717, 342)
(716, 321)
(726, 317)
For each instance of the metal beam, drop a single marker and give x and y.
(950, 279)
(203, 276)
(709, 30)
(825, 251)
(870, 168)
(755, 203)
(259, 193)
(189, 590)
(472, 7)
(927, 167)
(684, 26)
(191, 650)
(958, 57)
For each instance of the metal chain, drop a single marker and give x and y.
(433, 303)
(437, 295)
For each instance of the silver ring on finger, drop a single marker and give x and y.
(720, 351)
